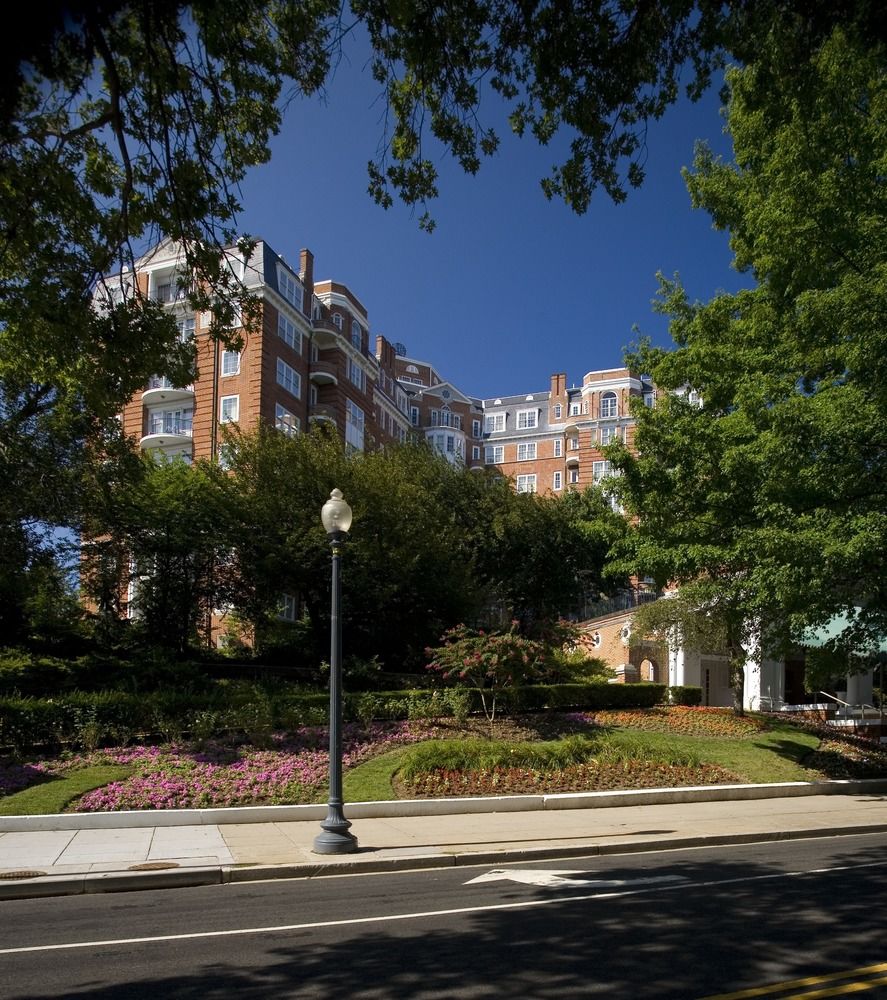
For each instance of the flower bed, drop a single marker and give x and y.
(685, 719)
(292, 770)
(590, 777)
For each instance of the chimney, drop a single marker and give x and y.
(306, 273)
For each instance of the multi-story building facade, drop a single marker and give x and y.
(308, 360)
(551, 441)
(311, 359)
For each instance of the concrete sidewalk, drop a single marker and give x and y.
(70, 854)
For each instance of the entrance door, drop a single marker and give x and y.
(716, 688)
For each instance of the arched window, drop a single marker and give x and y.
(609, 405)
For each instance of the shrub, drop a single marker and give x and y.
(492, 661)
(685, 695)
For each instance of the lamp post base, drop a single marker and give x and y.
(335, 838)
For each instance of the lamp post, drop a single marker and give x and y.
(335, 839)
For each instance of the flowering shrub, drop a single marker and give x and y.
(491, 661)
(689, 720)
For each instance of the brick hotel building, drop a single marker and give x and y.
(312, 359)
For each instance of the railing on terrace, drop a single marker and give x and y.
(622, 601)
(861, 707)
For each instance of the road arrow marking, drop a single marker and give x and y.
(554, 878)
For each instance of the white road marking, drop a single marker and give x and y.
(550, 877)
(395, 917)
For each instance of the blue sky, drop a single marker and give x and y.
(510, 287)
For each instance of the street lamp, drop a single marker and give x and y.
(335, 839)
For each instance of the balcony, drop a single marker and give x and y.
(322, 413)
(166, 435)
(323, 373)
(326, 333)
(161, 390)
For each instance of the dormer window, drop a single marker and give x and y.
(527, 419)
(289, 287)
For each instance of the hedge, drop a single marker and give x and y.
(90, 719)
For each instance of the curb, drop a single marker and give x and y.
(435, 807)
(99, 882)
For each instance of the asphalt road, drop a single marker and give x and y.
(680, 925)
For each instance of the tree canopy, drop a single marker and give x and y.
(761, 476)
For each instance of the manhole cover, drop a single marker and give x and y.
(153, 866)
(22, 874)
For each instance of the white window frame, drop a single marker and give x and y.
(494, 423)
(285, 421)
(557, 481)
(575, 409)
(337, 320)
(574, 476)
(599, 471)
(356, 335)
(290, 287)
(289, 608)
(226, 359)
(607, 436)
(355, 422)
(356, 375)
(609, 405)
(526, 483)
(288, 333)
(558, 411)
(558, 449)
(288, 378)
(475, 428)
(494, 454)
(475, 453)
(526, 451)
(650, 399)
(229, 409)
(527, 419)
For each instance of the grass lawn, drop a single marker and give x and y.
(53, 796)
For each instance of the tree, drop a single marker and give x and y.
(767, 490)
(133, 120)
(157, 551)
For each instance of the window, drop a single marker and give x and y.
(337, 320)
(451, 444)
(475, 453)
(558, 481)
(574, 444)
(494, 423)
(290, 287)
(289, 378)
(608, 435)
(312, 395)
(414, 416)
(475, 428)
(356, 375)
(355, 334)
(354, 424)
(599, 470)
(527, 419)
(224, 456)
(285, 421)
(574, 475)
(558, 411)
(171, 421)
(229, 409)
(288, 608)
(649, 399)
(230, 362)
(609, 405)
(526, 484)
(526, 452)
(574, 409)
(186, 328)
(288, 333)
(558, 447)
(494, 455)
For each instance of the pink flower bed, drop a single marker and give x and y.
(292, 771)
